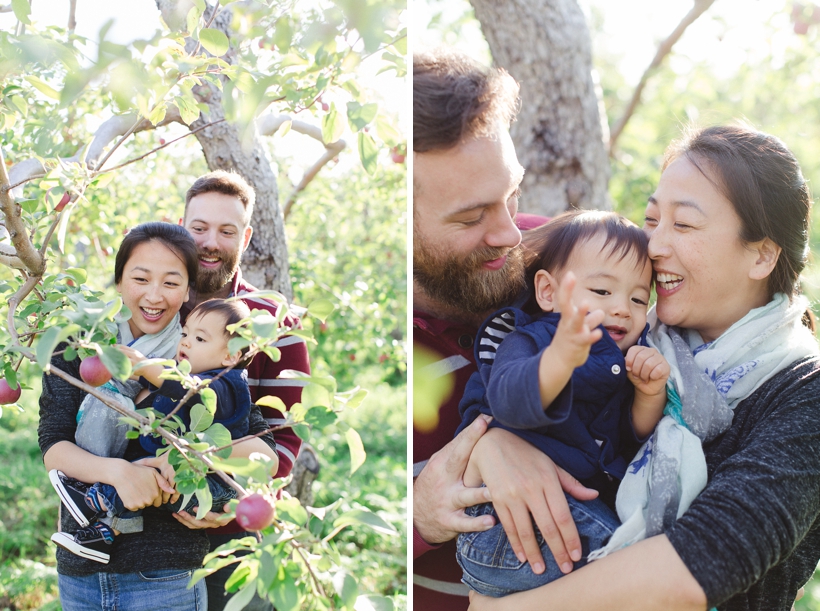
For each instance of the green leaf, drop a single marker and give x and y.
(188, 109)
(217, 436)
(43, 87)
(235, 344)
(282, 34)
(115, 362)
(241, 599)
(368, 152)
(320, 417)
(243, 466)
(302, 431)
(205, 500)
(321, 309)
(201, 418)
(49, 340)
(192, 19)
(238, 577)
(291, 511)
(79, 275)
(315, 394)
(22, 9)
(158, 114)
(214, 41)
(357, 453)
(208, 397)
(363, 516)
(359, 115)
(346, 588)
(284, 594)
(273, 402)
(9, 375)
(333, 125)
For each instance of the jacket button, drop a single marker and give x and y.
(616, 369)
(465, 341)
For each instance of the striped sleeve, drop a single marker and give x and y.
(263, 381)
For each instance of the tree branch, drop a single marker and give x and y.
(72, 16)
(34, 263)
(15, 300)
(268, 125)
(664, 49)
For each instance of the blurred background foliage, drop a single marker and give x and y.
(758, 62)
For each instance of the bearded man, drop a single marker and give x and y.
(218, 210)
(467, 262)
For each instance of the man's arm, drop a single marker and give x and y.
(440, 497)
(525, 484)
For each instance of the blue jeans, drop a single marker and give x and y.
(491, 567)
(127, 521)
(143, 591)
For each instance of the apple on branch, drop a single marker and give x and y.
(93, 372)
(255, 512)
(9, 394)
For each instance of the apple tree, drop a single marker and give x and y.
(76, 118)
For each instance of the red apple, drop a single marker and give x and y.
(161, 141)
(383, 358)
(352, 357)
(397, 157)
(261, 44)
(255, 512)
(325, 107)
(8, 394)
(323, 327)
(801, 27)
(63, 201)
(93, 372)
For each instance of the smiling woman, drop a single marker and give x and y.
(156, 264)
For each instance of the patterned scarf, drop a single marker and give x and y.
(706, 383)
(99, 429)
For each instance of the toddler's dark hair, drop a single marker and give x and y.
(231, 312)
(550, 246)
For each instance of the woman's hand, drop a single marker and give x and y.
(167, 472)
(211, 519)
(439, 494)
(141, 486)
(524, 482)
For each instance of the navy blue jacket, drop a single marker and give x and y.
(233, 403)
(587, 430)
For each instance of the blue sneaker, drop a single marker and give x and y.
(73, 493)
(93, 542)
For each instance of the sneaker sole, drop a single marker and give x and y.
(67, 542)
(75, 511)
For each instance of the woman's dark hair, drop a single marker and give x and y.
(231, 311)
(550, 246)
(174, 237)
(763, 181)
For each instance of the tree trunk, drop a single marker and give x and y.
(265, 263)
(560, 132)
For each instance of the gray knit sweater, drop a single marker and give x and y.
(752, 537)
(164, 542)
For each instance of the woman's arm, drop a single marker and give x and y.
(644, 577)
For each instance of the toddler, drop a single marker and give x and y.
(573, 376)
(204, 344)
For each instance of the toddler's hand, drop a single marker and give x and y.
(647, 369)
(577, 329)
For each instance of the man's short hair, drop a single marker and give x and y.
(227, 183)
(455, 97)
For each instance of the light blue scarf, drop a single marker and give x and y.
(706, 383)
(99, 430)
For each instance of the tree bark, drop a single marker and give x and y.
(265, 263)
(560, 133)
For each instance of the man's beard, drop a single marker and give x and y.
(462, 283)
(209, 281)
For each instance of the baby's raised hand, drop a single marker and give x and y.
(135, 356)
(647, 369)
(578, 328)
